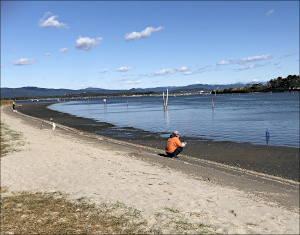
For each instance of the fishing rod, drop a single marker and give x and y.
(190, 123)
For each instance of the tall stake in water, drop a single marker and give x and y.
(167, 99)
(164, 100)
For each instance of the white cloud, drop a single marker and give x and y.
(203, 69)
(182, 69)
(133, 82)
(47, 54)
(270, 12)
(224, 62)
(164, 72)
(252, 66)
(277, 63)
(51, 22)
(122, 79)
(254, 58)
(23, 61)
(86, 43)
(144, 75)
(247, 67)
(188, 73)
(289, 54)
(124, 69)
(143, 34)
(63, 50)
(104, 71)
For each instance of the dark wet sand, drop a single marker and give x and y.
(277, 161)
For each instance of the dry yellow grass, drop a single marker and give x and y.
(6, 102)
(52, 213)
(10, 140)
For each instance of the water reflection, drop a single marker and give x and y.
(166, 117)
(267, 140)
(267, 136)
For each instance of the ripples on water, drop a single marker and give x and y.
(237, 118)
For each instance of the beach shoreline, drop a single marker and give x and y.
(272, 160)
(84, 164)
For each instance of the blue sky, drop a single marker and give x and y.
(135, 44)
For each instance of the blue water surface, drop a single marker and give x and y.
(238, 118)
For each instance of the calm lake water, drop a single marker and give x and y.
(237, 118)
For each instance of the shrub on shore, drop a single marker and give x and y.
(290, 83)
(4, 102)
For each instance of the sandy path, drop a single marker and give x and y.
(51, 163)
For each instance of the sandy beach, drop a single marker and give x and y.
(271, 160)
(228, 199)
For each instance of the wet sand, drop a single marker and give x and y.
(276, 161)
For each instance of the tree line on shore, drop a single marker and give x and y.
(290, 83)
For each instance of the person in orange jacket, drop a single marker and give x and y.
(174, 145)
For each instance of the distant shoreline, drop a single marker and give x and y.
(65, 99)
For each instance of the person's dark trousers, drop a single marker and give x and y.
(176, 152)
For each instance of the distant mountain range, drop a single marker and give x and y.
(33, 92)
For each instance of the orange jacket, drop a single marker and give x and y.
(172, 144)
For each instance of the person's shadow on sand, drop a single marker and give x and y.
(163, 155)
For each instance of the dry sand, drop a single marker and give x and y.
(56, 161)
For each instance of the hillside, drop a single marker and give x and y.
(35, 92)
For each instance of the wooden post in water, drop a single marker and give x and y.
(167, 99)
(164, 100)
(213, 105)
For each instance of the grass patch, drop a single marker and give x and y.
(10, 140)
(4, 102)
(52, 213)
(4, 147)
(177, 222)
(172, 210)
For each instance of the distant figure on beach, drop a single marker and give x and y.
(174, 145)
(53, 126)
(13, 106)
